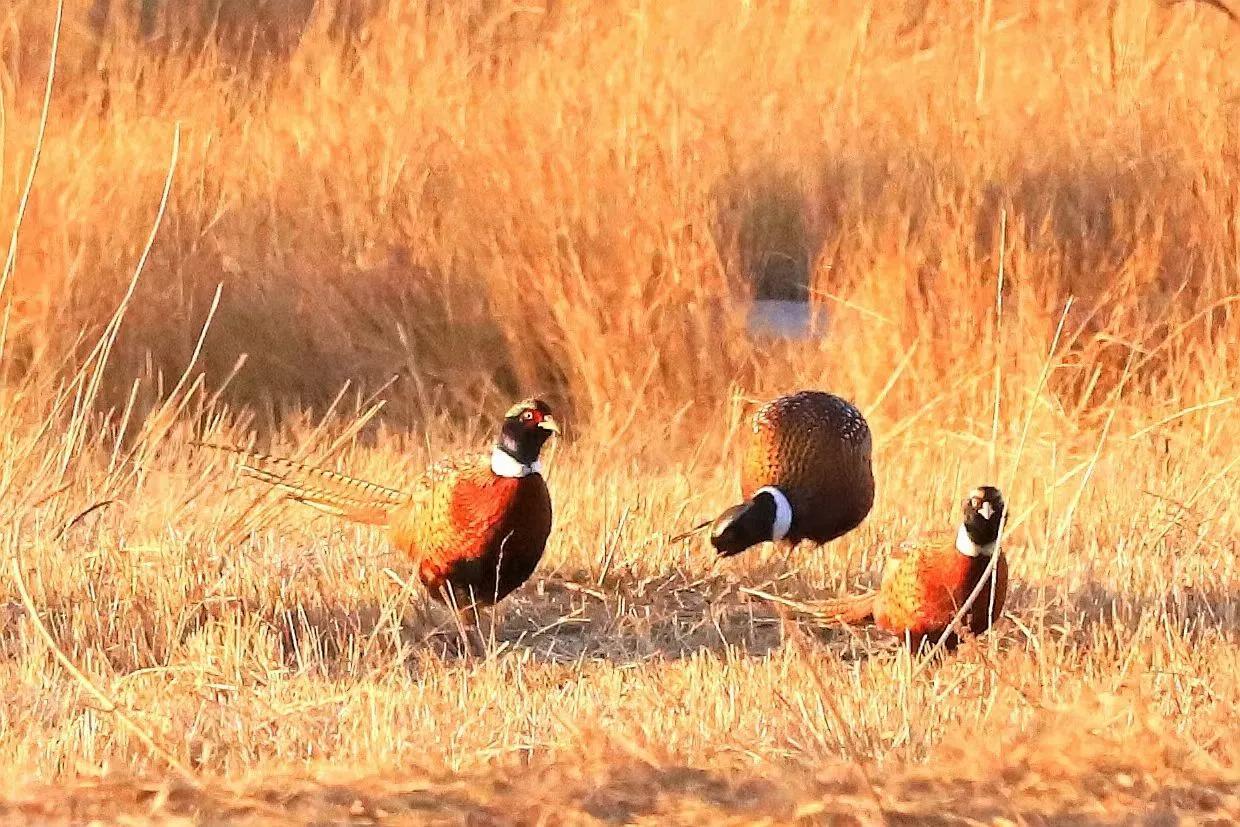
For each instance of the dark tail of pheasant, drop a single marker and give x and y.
(327, 491)
(697, 529)
(854, 610)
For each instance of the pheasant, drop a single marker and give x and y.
(925, 585)
(805, 475)
(475, 528)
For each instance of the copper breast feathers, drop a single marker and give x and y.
(925, 586)
(473, 533)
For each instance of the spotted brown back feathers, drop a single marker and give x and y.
(816, 448)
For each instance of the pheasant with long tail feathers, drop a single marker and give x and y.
(475, 528)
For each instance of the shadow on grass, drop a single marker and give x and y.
(1195, 613)
(555, 620)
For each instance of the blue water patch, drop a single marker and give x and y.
(785, 319)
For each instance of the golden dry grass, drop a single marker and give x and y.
(490, 199)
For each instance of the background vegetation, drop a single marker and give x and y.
(449, 205)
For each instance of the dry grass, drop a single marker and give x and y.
(491, 199)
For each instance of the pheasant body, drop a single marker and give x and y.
(472, 532)
(923, 589)
(815, 448)
(806, 474)
(474, 528)
(926, 584)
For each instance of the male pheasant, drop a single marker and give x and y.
(805, 475)
(926, 584)
(475, 528)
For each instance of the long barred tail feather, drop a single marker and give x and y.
(327, 491)
(854, 610)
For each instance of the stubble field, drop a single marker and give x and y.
(1020, 218)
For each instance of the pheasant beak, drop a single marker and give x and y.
(986, 510)
(548, 423)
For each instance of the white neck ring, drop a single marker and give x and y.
(966, 546)
(783, 512)
(504, 465)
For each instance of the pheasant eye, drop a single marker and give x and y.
(528, 416)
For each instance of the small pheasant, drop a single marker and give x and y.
(805, 475)
(475, 528)
(925, 585)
